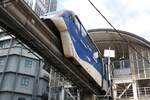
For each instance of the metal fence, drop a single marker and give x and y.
(141, 91)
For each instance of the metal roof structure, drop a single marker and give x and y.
(105, 38)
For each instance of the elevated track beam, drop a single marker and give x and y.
(18, 19)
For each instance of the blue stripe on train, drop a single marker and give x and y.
(83, 44)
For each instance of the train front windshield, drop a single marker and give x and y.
(79, 26)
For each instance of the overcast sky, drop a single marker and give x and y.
(128, 15)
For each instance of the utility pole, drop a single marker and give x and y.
(109, 54)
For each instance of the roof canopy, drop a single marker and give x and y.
(105, 38)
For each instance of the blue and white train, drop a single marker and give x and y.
(78, 45)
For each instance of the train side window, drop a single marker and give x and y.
(72, 18)
(83, 32)
(76, 22)
(80, 27)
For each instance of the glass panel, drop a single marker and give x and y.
(141, 72)
(134, 60)
(140, 64)
(83, 32)
(126, 64)
(2, 61)
(122, 64)
(80, 27)
(147, 73)
(117, 65)
(28, 63)
(76, 23)
(25, 81)
(5, 44)
(146, 60)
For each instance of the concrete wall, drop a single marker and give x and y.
(21, 76)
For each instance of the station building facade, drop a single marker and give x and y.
(130, 69)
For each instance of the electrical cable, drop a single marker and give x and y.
(124, 39)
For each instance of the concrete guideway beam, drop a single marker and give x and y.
(22, 22)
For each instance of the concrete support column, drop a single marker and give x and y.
(135, 96)
(78, 95)
(114, 91)
(62, 94)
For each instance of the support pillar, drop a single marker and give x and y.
(62, 97)
(78, 95)
(50, 80)
(114, 91)
(135, 96)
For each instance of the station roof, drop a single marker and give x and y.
(105, 38)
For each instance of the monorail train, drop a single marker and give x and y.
(77, 44)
